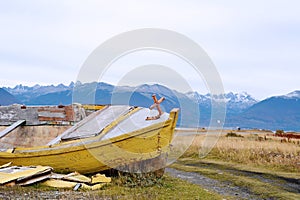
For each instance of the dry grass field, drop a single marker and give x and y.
(256, 148)
(243, 164)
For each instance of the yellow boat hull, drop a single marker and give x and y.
(90, 156)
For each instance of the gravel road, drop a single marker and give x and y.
(224, 189)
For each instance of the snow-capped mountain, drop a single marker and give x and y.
(239, 101)
(235, 102)
(26, 92)
(293, 95)
(195, 96)
(278, 112)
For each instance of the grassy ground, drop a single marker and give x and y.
(166, 188)
(257, 161)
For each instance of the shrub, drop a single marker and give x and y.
(232, 134)
(279, 132)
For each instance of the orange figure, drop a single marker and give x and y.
(157, 106)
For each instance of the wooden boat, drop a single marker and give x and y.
(113, 137)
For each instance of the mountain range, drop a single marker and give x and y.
(244, 111)
(7, 98)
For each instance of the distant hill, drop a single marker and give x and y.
(53, 98)
(6, 98)
(280, 112)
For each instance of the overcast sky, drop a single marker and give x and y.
(255, 45)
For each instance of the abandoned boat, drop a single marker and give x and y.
(116, 136)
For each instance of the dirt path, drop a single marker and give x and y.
(231, 181)
(212, 184)
(289, 184)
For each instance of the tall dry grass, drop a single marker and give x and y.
(260, 150)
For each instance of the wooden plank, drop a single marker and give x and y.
(34, 179)
(11, 127)
(100, 178)
(15, 173)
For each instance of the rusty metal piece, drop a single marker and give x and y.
(157, 106)
(154, 98)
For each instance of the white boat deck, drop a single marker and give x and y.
(94, 124)
(135, 122)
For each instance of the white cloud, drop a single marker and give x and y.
(242, 37)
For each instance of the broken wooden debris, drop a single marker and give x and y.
(58, 183)
(14, 175)
(75, 176)
(100, 178)
(27, 175)
(5, 165)
(75, 180)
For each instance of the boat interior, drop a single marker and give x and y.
(115, 120)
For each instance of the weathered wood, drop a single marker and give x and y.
(37, 115)
(20, 174)
(11, 127)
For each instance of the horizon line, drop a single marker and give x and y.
(150, 84)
